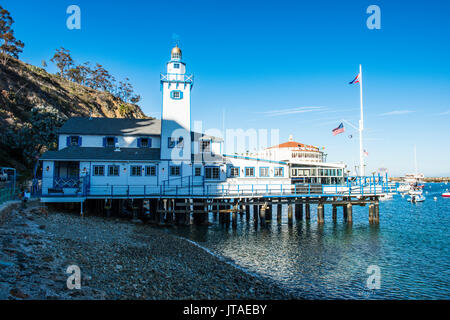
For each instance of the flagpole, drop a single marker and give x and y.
(361, 126)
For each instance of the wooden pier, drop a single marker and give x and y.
(186, 211)
(191, 204)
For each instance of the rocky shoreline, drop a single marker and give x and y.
(118, 260)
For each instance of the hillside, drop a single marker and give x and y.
(26, 91)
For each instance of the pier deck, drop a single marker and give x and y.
(174, 203)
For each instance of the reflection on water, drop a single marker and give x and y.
(330, 261)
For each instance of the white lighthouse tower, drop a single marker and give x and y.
(176, 88)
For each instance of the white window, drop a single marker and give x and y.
(74, 140)
(175, 170)
(176, 66)
(249, 171)
(99, 170)
(110, 142)
(198, 171)
(263, 172)
(176, 94)
(136, 171)
(205, 145)
(144, 142)
(212, 173)
(278, 172)
(234, 171)
(150, 171)
(113, 170)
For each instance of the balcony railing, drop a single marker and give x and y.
(175, 77)
(66, 182)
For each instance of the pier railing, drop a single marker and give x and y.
(187, 187)
(240, 190)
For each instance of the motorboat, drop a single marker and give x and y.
(415, 192)
(404, 188)
(416, 198)
(446, 195)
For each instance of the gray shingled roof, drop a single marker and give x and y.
(111, 126)
(92, 153)
(119, 126)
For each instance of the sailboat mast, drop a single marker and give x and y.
(415, 161)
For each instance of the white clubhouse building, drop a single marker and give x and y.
(150, 157)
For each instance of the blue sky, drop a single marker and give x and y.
(264, 64)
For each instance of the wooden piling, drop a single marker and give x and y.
(307, 211)
(349, 212)
(290, 214)
(187, 214)
(376, 213)
(206, 214)
(299, 211)
(371, 211)
(162, 220)
(255, 213)
(227, 214)
(279, 212)
(320, 213)
(171, 217)
(262, 215)
(269, 211)
(108, 204)
(344, 212)
(214, 209)
(334, 214)
(247, 212)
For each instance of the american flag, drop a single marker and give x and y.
(356, 80)
(338, 130)
(366, 153)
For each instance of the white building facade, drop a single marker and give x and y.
(150, 157)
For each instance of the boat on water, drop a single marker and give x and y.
(416, 198)
(446, 195)
(415, 192)
(414, 180)
(404, 188)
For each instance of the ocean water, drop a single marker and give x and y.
(410, 247)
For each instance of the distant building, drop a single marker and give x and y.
(307, 163)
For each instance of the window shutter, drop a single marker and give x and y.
(149, 142)
(115, 141)
(79, 141)
(104, 141)
(139, 142)
(68, 141)
(181, 94)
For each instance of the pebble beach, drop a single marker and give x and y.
(118, 259)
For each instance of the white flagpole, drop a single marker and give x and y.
(361, 127)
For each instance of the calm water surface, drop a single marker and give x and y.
(411, 247)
